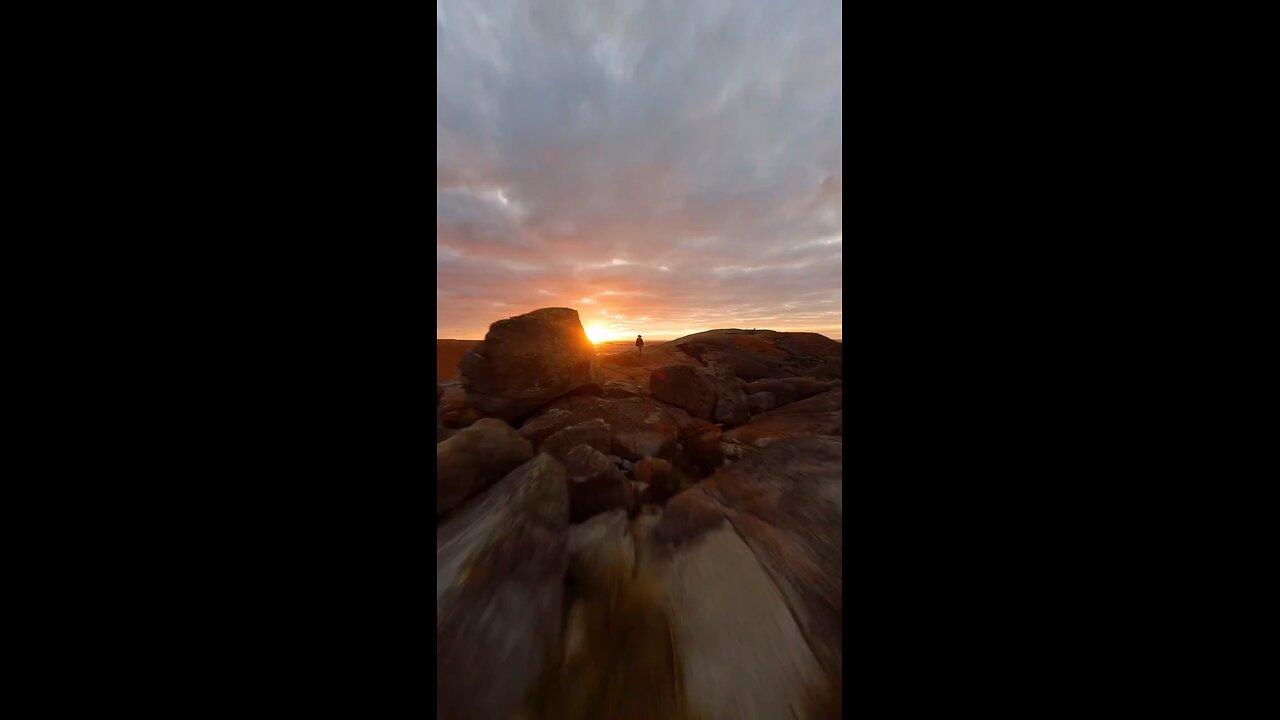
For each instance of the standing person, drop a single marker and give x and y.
(640, 343)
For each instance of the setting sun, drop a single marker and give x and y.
(597, 334)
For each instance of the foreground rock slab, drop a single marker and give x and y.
(751, 568)
(500, 566)
(526, 361)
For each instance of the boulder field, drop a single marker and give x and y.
(627, 536)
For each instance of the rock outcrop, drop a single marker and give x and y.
(500, 566)
(762, 354)
(527, 361)
(475, 458)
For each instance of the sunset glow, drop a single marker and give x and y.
(597, 334)
(621, 164)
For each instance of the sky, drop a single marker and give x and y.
(663, 167)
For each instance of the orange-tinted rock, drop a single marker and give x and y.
(663, 479)
(818, 415)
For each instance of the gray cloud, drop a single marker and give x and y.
(700, 137)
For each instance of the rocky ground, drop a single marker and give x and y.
(639, 536)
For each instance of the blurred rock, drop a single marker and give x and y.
(663, 479)
(475, 458)
(500, 566)
(600, 541)
(751, 562)
(761, 402)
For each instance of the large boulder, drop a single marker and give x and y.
(710, 393)
(527, 361)
(475, 458)
(593, 433)
(686, 387)
(500, 566)
(595, 483)
(639, 427)
(818, 415)
(750, 562)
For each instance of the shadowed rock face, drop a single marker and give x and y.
(595, 483)
(687, 387)
(500, 566)
(527, 361)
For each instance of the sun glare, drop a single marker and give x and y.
(597, 334)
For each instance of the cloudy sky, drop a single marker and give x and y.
(661, 166)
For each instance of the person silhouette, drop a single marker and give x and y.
(640, 343)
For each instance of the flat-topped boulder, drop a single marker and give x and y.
(526, 361)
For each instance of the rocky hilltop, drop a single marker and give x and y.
(639, 536)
